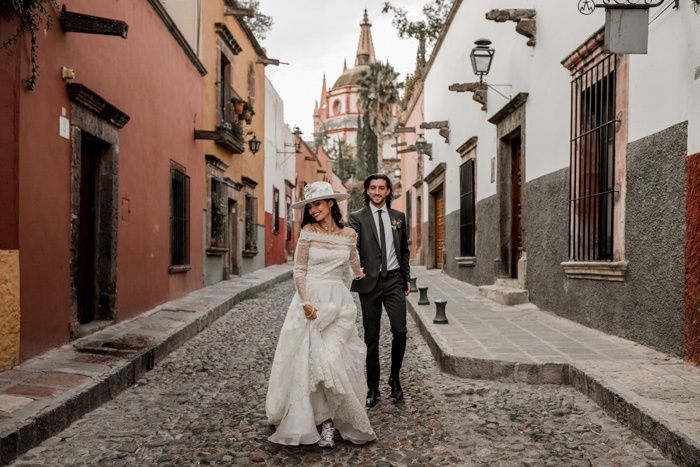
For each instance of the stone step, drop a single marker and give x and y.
(505, 295)
(508, 282)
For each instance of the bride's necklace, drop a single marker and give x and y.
(329, 229)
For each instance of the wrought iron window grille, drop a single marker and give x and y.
(593, 188)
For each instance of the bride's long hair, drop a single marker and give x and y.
(335, 214)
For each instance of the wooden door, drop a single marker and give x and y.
(516, 232)
(233, 249)
(86, 283)
(439, 228)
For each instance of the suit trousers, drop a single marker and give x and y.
(390, 292)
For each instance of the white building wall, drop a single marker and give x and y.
(662, 89)
(280, 160)
(187, 15)
(692, 32)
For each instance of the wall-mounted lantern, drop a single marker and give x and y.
(254, 144)
(423, 147)
(297, 134)
(481, 57)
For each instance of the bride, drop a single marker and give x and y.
(318, 370)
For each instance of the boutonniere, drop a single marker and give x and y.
(395, 224)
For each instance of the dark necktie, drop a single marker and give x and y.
(382, 241)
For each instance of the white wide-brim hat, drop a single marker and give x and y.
(319, 190)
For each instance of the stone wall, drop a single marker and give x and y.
(482, 272)
(9, 309)
(648, 306)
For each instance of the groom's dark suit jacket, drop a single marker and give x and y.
(370, 249)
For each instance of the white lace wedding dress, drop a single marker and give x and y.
(318, 369)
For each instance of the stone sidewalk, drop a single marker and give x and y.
(45, 394)
(653, 394)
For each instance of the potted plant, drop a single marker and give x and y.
(248, 113)
(237, 106)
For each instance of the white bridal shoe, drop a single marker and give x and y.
(327, 433)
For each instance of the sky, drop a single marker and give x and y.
(314, 36)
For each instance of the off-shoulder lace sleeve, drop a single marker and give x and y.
(301, 262)
(355, 257)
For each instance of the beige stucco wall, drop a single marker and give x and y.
(9, 309)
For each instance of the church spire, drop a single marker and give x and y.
(365, 47)
(324, 90)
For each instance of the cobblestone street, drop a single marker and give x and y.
(205, 404)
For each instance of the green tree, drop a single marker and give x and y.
(379, 93)
(260, 24)
(367, 140)
(425, 30)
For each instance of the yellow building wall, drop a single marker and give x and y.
(246, 164)
(9, 309)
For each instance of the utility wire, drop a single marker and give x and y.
(669, 5)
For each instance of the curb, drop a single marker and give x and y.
(652, 427)
(59, 415)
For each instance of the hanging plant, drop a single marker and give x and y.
(31, 14)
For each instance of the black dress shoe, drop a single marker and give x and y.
(372, 397)
(396, 391)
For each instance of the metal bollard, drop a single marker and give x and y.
(414, 288)
(440, 317)
(423, 300)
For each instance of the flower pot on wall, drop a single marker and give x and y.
(238, 107)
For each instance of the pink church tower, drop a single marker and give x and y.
(338, 110)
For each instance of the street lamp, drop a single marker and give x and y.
(254, 144)
(297, 134)
(423, 147)
(397, 173)
(481, 58)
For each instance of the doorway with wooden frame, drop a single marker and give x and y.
(510, 177)
(435, 246)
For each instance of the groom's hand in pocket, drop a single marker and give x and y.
(407, 289)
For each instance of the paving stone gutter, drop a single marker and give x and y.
(77, 378)
(602, 381)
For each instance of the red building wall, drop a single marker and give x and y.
(692, 261)
(9, 150)
(148, 77)
(275, 251)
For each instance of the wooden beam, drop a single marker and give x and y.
(435, 125)
(270, 61)
(399, 144)
(405, 129)
(466, 87)
(79, 22)
(238, 11)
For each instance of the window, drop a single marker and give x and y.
(225, 94)
(466, 208)
(592, 182)
(219, 208)
(179, 217)
(251, 233)
(409, 211)
(275, 210)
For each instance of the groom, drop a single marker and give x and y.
(383, 246)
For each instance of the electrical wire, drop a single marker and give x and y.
(670, 4)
